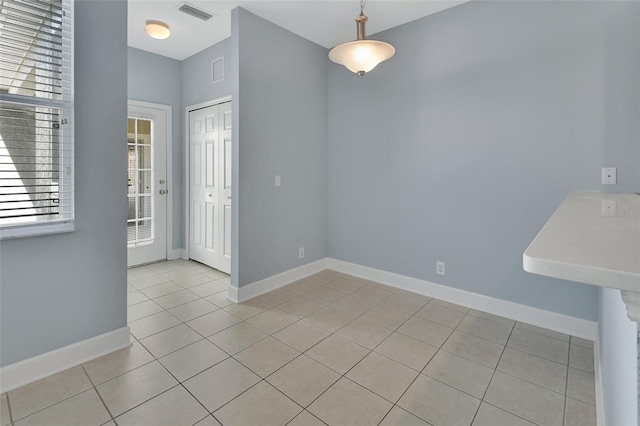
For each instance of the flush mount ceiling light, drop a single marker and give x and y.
(157, 29)
(361, 56)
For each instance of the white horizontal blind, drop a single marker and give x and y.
(36, 113)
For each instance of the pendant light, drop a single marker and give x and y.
(361, 56)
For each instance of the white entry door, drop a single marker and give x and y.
(210, 183)
(146, 184)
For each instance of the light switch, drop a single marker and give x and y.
(278, 180)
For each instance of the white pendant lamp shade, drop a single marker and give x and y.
(158, 30)
(361, 55)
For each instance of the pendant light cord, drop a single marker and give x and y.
(360, 22)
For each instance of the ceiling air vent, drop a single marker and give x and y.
(195, 12)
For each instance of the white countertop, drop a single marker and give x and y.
(591, 238)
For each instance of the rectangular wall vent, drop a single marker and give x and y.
(195, 12)
(217, 70)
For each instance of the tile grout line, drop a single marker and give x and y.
(171, 292)
(308, 412)
(518, 378)
(253, 386)
(179, 383)
(188, 289)
(183, 322)
(509, 412)
(530, 383)
(539, 357)
(153, 334)
(50, 405)
(145, 316)
(145, 401)
(98, 393)
(541, 334)
(9, 408)
(132, 283)
(395, 404)
(420, 372)
(578, 368)
(566, 386)
(504, 348)
(206, 313)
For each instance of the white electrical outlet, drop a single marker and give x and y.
(301, 253)
(609, 176)
(440, 267)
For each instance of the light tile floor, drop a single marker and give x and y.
(330, 349)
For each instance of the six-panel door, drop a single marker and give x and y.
(210, 186)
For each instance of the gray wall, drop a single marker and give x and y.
(280, 100)
(60, 289)
(461, 147)
(618, 361)
(620, 68)
(196, 75)
(157, 79)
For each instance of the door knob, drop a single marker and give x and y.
(163, 191)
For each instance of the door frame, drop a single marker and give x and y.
(169, 167)
(187, 164)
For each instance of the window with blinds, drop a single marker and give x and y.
(36, 117)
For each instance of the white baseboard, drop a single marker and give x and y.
(40, 366)
(550, 320)
(257, 288)
(601, 419)
(232, 294)
(177, 254)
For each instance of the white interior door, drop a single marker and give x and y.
(210, 186)
(146, 184)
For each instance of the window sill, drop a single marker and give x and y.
(32, 230)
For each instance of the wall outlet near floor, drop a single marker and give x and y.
(440, 267)
(301, 253)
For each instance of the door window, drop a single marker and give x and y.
(140, 181)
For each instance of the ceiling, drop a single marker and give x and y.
(325, 22)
